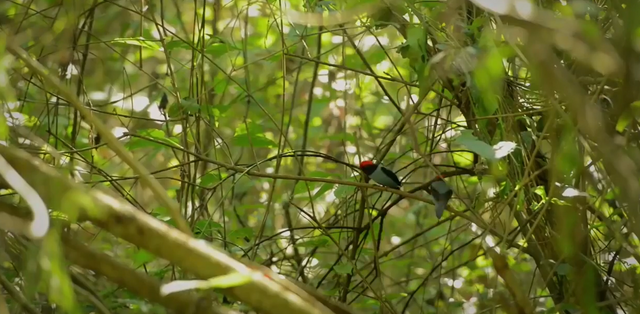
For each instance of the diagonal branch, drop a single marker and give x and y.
(155, 187)
(267, 293)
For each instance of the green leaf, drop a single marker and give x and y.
(229, 281)
(220, 49)
(373, 58)
(323, 190)
(221, 282)
(139, 41)
(4, 128)
(343, 269)
(301, 187)
(220, 87)
(141, 257)
(276, 57)
(142, 142)
(416, 40)
(187, 106)
(244, 140)
(209, 179)
(481, 148)
(241, 233)
(560, 202)
(489, 78)
(344, 190)
(624, 121)
(203, 224)
(176, 44)
(318, 242)
(249, 127)
(56, 274)
(171, 222)
(190, 105)
(462, 159)
(206, 227)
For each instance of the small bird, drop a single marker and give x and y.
(380, 175)
(164, 101)
(441, 193)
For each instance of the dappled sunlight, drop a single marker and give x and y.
(155, 113)
(119, 131)
(136, 103)
(217, 148)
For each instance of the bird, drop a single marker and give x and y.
(441, 193)
(380, 174)
(164, 101)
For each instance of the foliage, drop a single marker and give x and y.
(241, 124)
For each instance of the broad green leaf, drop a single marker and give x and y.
(221, 282)
(373, 58)
(156, 134)
(220, 86)
(301, 187)
(343, 268)
(489, 78)
(323, 190)
(321, 241)
(244, 140)
(171, 222)
(187, 106)
(623, 121)
(475, 145)
(204, 224)
(177, 44)
(217, 50)
(241, 233)
(55, 273)
(344, 190)
(250, 127)
(276, 57)
(139, 41)
(141, 257)
(229, 281)
(4, 128)
(416, 40)
(209, 179)
(206, 227)
(190, 105)
(560, 202)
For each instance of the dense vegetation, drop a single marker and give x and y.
(202, 156)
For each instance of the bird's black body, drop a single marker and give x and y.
(381, 175)
(392, 175)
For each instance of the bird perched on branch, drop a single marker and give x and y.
(441, 193)
(380, 174)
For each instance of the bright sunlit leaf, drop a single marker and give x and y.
(220, 282)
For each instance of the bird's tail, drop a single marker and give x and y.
(440, 207)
